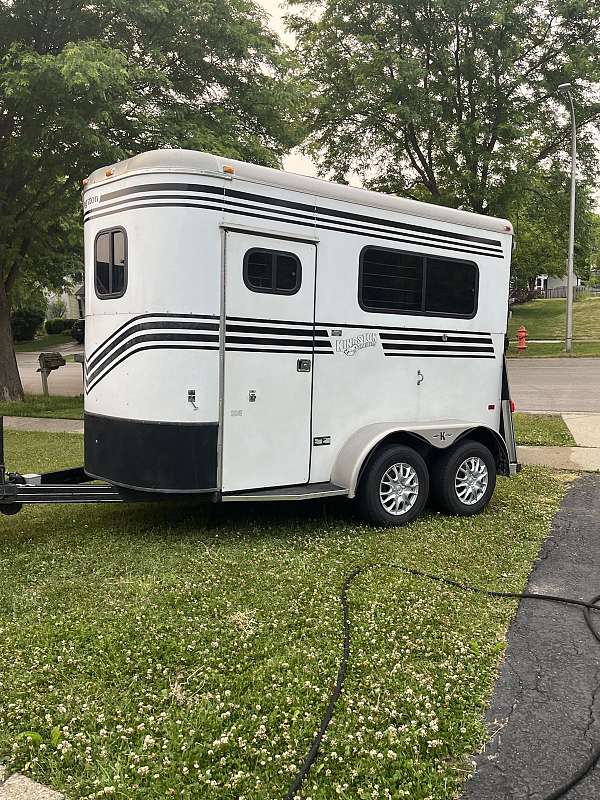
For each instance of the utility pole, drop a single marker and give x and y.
(566, 88)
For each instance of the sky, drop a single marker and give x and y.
(294, 162)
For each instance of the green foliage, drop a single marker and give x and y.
(542, 430)
(84, 85)
(60, 325)
(540, 213)
(56, 309)
(448, 101)
(39, 405)
(194, 647)
(25, 323)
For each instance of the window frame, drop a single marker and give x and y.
(287, 292)
(424, 257)
(110, 232)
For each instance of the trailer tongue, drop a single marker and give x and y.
(62, 486)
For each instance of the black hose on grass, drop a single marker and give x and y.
(311, 756)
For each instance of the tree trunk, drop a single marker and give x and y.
(10, 380)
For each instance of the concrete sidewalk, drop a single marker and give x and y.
(585, 429)
(579, 459)
(18, 787)
(43, 424)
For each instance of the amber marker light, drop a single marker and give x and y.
(229, 170)
(109, 173)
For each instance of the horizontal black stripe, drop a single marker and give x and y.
(148, 347)
(437, 355)
(279, 331)
(166, 187)
(398, 328)
(153, 337)
(233, 349)
(414, 337)
(149, 315)
(143, 326)
(266, 340)
(471, 250)
(373, 226)
(269, 321)
(303, 207)
(438, 348)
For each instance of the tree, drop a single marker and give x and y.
(83, 85)
(540, 213)
(447, 101)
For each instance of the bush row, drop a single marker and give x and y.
(62, 325)
(25, 323)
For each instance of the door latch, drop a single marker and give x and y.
(420, 378)
(252, 396)
(303, 365)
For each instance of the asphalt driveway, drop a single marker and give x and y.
(544, 718)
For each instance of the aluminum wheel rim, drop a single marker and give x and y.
(399, 489)
(471, 480)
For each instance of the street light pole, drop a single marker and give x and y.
(566, 88)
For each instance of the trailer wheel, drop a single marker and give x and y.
(394, 487)
(463, 479)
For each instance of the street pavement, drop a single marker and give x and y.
(537, 384)
(555, 384)
(67, 380)
(544, 717)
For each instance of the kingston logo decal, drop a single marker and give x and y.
(353, 344)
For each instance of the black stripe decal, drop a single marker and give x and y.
(437, 355)
(438, 348)
(149, 347)
(393, 337)
(233, 349)
(270, 321)
(373, 227)
(156, 315)
(400, 329)
(271, 330)
(153, 337)
(143, 326)
(311, 209)
(166, 187)
(267, 340)
(374, 235)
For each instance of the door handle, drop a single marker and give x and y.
(303, 365)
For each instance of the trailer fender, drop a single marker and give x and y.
(357, 449)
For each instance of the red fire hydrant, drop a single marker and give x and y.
(522, 338)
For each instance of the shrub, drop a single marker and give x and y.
(59, 325)
(57, 309)
(25, 323)
(523, 295)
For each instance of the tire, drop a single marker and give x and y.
(451, 476)
(393, 465)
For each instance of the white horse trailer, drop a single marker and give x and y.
(257, 335)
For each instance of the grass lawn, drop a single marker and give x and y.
(36, 405)
(543, 430)
(44, 342)
(546, 319)
(555, 350)
(157, 651)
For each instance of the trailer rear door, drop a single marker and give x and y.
(268, 361)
